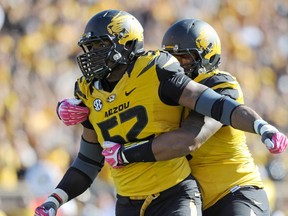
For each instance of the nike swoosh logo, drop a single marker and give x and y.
(128, 93)
(110, 151)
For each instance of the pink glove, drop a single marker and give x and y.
(112, 153)
(70, 112)
(275, 141)
(279, 143)
(47, 209)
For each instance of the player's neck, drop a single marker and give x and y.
(117, 73)
(111, 81)
(108, 85)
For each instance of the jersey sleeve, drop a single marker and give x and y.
(172, 78)
(80, 88)
(80, 95)
(224, 84)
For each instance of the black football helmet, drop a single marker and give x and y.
(196, 38)
(119, 38)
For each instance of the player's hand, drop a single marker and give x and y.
(112, 153)
(70, 111)
(46, 209)
(275, 141)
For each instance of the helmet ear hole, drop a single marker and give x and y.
(214, 61)
(211, 60)
(131, 47)
(128, 44)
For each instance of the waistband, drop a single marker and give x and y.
(144, 201)
(164, 193)
(244, 187)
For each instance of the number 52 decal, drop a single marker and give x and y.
(138, 112)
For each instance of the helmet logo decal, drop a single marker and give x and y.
(206, 44)
(97, 104)
(125, 28)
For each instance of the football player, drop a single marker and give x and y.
(119, 87)
(229, 180)
(134, 96)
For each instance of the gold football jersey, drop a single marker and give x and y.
(134, 111)
(224, 161)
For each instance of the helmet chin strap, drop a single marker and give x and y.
(117, 59)
(120, 59)
(202, 70)
(192, 72)
(195, 68)
(198, 71)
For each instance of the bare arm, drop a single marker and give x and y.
(243, 118)
(89, 135)
(195, 130)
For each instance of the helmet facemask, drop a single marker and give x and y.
(195, 67)
(93, 62)
(198, 64)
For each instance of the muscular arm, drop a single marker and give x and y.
(176, 88)
(243, 118)
(194, 131)
(209, 103)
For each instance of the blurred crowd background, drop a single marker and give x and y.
(38, 46)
